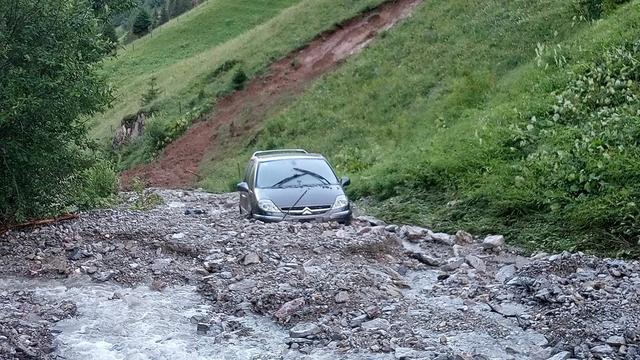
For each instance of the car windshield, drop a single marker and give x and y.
(295, 172)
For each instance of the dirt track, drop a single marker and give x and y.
(178, 165)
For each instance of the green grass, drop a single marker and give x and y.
(164, 52)
(189, 55)
(431, 122)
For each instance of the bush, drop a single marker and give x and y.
(595, 9)
(97, 186)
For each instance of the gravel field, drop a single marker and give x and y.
(191, 279)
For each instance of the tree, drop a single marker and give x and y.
(142, 23)
(49, 55)
(178, 7)
(109, 33)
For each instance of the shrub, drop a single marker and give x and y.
(97, 186)
(152, 92)
(239, 79)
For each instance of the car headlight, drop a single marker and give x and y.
(341, 202)
(268, 206)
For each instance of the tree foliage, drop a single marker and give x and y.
(49, 54)
(142, 23)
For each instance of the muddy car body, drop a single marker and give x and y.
(293, 185)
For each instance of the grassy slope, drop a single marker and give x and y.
(420, 119)
(254, 33)
(165, 52)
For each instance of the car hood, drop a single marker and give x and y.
(287, 197)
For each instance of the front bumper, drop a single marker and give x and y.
(337, 215)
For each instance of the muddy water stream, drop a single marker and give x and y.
(140, 324)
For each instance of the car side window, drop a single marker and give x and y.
(249, 176)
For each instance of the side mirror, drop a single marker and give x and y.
(345, 181)
(243, 187)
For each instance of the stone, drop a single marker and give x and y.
(373, 312)
(251, 258)
(371, 220)
(505, 273)
(363, 230)
(391, 228)
(616, 341)
(462, 237)
(178, 236)
(602, 349)
(158, 285)
(443, 238)
(376, 324)
(425, 259)
(476, 263)
(358, 320)
(563, 355)
(203, 328)
(458, 250)
(493, 242)
(161, 264)
(242, 285)
(413, 233)
(341, 234)
(289, 308)
(304, 330)
(342, 297)
(452, 264)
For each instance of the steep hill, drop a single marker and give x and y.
(515, 117)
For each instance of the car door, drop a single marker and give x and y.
(245, 197)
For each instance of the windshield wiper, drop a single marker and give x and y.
(287, 179)
(315, 175)
(302, 172)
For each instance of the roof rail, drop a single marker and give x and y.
(281, 151)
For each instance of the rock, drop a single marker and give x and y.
(602, 349)
(563, 355)
(521, 281)
(373, 312)
(341, 234)
(289, 308)
(458, 250)
(493, 242)
(160, 264)
(243, 285)
(476, 263)
(463, 238)
(203, 328)
(358, 320)
(425, 259)
(413, 233)
(443, 238)
(452, 264)
(251, 258)
(304, 330)
(158, 285)
(177, 236)
(371, 220)
(402, 353)
(363, 230)
(505, 273)
(342, 297)
(616, 341)
(376, 324)
(391, 228)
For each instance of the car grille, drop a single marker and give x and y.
(307, 210)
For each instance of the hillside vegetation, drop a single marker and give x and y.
(515, 117)
(206, 54)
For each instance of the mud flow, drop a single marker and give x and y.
(192, 279)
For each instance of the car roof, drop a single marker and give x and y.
(271, 155)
